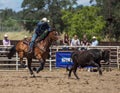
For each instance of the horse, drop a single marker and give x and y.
(90, 57)
(38, 53)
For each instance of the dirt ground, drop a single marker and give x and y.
(57, 81)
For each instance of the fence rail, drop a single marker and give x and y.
(114, 53)
(51, 62)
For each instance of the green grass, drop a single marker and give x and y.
(15, 35)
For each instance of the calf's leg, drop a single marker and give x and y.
(74, 71)
(99, 69)
(98, 66)
(70, 70)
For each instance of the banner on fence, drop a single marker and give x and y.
(63, 59)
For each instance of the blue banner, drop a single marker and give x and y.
(63, 59)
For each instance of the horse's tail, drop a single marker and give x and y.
(12, 51)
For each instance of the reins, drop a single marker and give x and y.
(47, 41)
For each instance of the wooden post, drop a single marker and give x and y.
(118, 63)
(16, 61)
(50, 62)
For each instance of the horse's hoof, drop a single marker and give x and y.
(34, 69)
(37, 72)
(32, 76)
(23, 65)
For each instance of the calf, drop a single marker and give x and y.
(90, 57)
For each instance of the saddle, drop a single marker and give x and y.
(28, 40)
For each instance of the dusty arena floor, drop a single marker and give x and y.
(57, 81)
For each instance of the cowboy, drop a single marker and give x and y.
(42, 28)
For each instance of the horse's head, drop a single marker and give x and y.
(106, 55)
(53, 35)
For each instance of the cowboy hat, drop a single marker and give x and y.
(45, 19)
(94, 37)
(5, 35)
(25, 36)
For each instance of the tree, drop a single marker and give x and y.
(110, 9)
(36, 9)
(8, 20)
(84, 21)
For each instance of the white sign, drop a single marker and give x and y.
(66, 60)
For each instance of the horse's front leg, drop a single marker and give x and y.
(29, 67)
(41, 67)
(22, 64)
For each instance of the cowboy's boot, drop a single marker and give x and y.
(30, 50)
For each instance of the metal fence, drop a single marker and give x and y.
(114, 53)
(13, 64)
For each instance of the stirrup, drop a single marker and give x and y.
(29, 50)
(42, 48)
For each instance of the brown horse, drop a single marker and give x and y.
(38, 53)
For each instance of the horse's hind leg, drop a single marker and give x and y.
(41, 67)
(29, 67)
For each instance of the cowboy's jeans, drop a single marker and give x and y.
(33, 40)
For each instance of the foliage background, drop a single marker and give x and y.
(101, 19)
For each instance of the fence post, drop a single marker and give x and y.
(16, 61)
(50, 62)
(118, 57)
